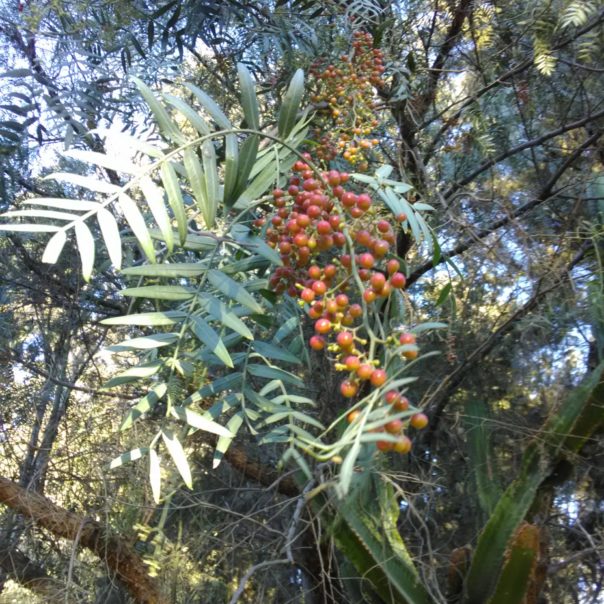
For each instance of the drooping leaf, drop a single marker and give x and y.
(178, 455)
(211, 339)
(133, 374)
(195, 420)
(54, 247)
(111, 236)
(85, 242)
(169, 317)
(155, 475)
(233, 290)
(138, 225)
(172, 187)
(133, 455)
(146, 404)
(249, 102)
(224, 442)
(159, 292)
(156, 340)
(154, 197)
(182, 269)
(291, 104)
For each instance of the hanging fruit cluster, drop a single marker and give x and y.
(338, 259)
(347, 103)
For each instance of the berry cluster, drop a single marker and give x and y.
(315, 223)
(346, 90)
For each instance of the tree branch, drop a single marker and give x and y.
(544, 195)
(518, 148)
(115, 552)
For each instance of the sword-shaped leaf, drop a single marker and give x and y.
(291, 104)
(111, 236)
(178, 455)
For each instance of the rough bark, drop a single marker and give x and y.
(116, 553)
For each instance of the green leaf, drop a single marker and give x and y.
(233, 290)
(194, 118)
(249, 102)
(111, 236)
(167, 126)
(195, 420)
(521, 560)
(138, 225)
(154, 196)
(172, 187)
(134, 374)
(224, 442)
(230, 381)
(198, 185)
(211, 339)
(85, 242)
(111, 162)
(247, 160)
(210, 172)
(155, 475)
(54, 247)
(183, 269)
(79, 205)
(86, 182)
(29, 228)
(271, 351)
(576, 419)
(211, 107)
(231, 169)
(146, 404)
(170, 317)
(150, 342)
(178, 455)
(159, 292)
(128, 456)
(220, 311)
(291, 104)
(444, 294)
(482, 463)
(41, 214)
(274, 373)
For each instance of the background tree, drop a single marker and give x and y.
(493, 114)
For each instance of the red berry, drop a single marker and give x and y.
(402, 404)
(392, 397)
(407, 338)
(319, 287)
(307, 294)
(366, 260)
(378, 377)
(394, 427)
(402, 445)
(384, 445)
(345, 339)
(369, 295)
(348, 388)
(377, 281)
(317, 343)
(398, 280)
(352, 363)
(392, 266)
(419, 421)
(349, 199)
(322, 325)
(365, 371)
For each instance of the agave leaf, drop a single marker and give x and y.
(568, 427)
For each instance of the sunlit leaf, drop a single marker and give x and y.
(54, 247)
(138, 225)
(170, 317)
(178, 455)
(159, 292)
(224, 442)
(172, 187)
(183, 269)
(249, 102)
(85, 242)
(211, 339)
(128, 456)
(155, 475)
(195, 420)
(154, 196)
(111, 236)
(146, 404)
(156, 340)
